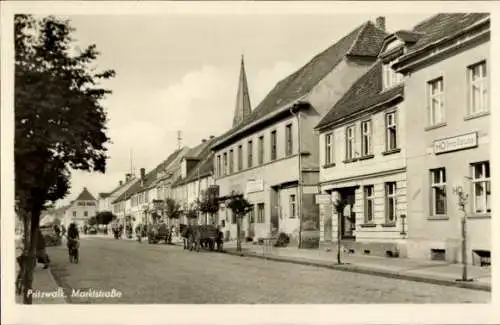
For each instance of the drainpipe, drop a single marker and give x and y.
(300, 175)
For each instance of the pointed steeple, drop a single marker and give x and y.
(242, 108)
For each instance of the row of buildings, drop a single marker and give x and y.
(390, 123)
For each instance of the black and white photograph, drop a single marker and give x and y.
(248, 153)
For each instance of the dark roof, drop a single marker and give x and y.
(104, 195)
(85, 196)
(205, 164)
(364, 93)
(149, 178)
(365, 40)
(441, 26)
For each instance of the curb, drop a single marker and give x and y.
(53, 278)
(370, 271)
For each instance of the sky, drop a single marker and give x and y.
(180, 73)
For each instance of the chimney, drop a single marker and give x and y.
(128, 176)
(121, 183)
(380, 22)
(143, 173)
(212, 136)
(203, 140)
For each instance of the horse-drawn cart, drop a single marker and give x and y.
(206, 236)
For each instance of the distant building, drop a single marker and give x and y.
(80, 209)
(271, 155)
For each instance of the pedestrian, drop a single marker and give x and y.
(57, 230)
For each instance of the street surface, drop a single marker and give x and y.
(160, 273)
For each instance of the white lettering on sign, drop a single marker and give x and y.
(323, 199)
(460, 142)
(255, 186)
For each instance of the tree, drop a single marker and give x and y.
(173, 211)
(60, 123)
(240, 207)
(192, 212)
(92, 221)
(105, 217)
(209, 202)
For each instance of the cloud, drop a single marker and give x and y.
(200, 104)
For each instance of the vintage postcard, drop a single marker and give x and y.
(248, 162)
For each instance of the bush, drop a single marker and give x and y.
(283, 240)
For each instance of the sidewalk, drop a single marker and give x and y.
(43, 282)
(437, 272)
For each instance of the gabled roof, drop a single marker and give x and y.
(363, 41)
(85, 196)
(149, 178)
(441, 27)
(366, 92)
(205, 165)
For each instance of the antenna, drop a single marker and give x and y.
(179, 139)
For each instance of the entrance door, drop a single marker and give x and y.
(251, 223)
(348, 220)
(274, 210)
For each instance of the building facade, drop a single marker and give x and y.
(448, 143)
(271, 156)
(81, 209)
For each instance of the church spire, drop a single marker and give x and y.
(242, 108)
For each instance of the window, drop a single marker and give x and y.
(260, 213)
(252, 215)
(389, 76)
(438, 189)
(293, 206)
(366, 138)
(436, 101)
(478, 97)
(329, 149)
(481, 187)
(219, 173)
(273, 145)
(85, 214)
(224, 167)
(74, 213)
(250, 153)
(261, 149)
(391, 141)
(390, 202)
(349, 143)
(368, 192)
(289, 140)
(240, 157)
(231, 161)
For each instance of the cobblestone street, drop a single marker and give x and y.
(166, 274)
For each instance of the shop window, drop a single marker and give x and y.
(390, 202)
(368, 192)
(436, 109)
(478, 89)
(438, 192)
(481, 187)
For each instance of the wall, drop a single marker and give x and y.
(426, 231)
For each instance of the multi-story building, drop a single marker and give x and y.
(196, 177)
(448, 136)
(363, 160)
(271, 154)
(118, 206)
(80, 209)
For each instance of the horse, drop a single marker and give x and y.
(194, 239)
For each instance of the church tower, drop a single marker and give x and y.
(242, 108)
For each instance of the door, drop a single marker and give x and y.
(274, 210)
(251, 223)
(348, 219)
